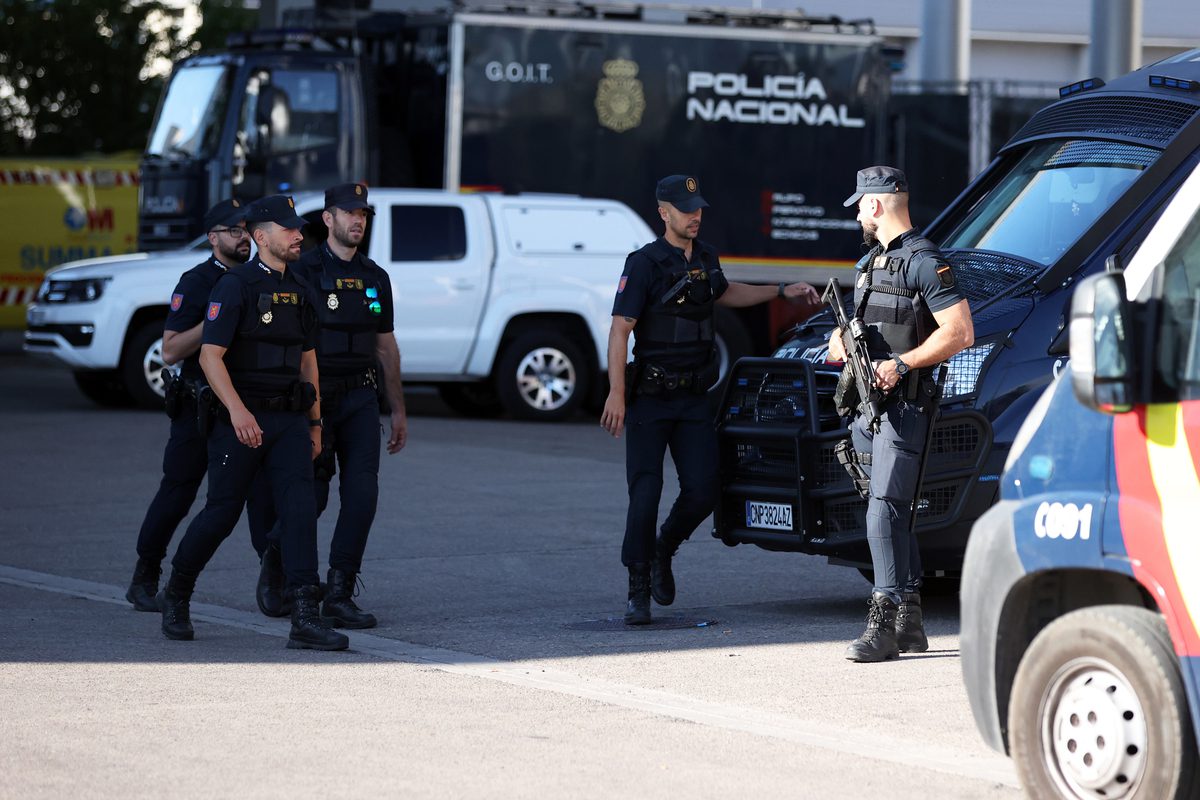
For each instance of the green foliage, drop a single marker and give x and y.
(83, 76)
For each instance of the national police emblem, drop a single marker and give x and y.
(620, 100)
(332, 301)
(267, 317)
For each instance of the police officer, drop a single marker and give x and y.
(257, 354)
(354, 307)
(665, 298)
(186, 455)
(916, 317)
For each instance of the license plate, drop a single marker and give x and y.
(771, 516)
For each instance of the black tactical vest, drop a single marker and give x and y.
(677, 326)
(348, 313)
(264, 357)
(886, 300)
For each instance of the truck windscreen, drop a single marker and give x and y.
(1048, 197)
(189, 122)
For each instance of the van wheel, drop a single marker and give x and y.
(1098, 710)
(475, 400)
(142, 365)
(542, 375)
(103, 387)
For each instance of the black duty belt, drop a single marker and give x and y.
(348, 383)
(280, 403)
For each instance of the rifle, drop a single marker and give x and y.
(859, 366)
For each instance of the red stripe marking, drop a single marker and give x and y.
(1140, 511)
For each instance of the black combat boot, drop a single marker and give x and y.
(662, 580)
(144, 585)
(175, 601)
(637, 612)
(339, 608)
(878, 642)
(910, 624)
(309, 631)
(272, 598)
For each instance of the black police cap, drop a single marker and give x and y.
(224, 214)
(347, 196)
(681, 191)
(877, 180)
(277, 208)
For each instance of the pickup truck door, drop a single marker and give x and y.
(438, 252)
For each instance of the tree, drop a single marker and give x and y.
(81, 76)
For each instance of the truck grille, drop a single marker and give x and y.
(777, 393)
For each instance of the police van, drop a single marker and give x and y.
(1084, 179)
(1081, 587)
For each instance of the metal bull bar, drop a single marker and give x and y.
(777, 432)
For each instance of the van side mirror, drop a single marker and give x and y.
(1101, 344)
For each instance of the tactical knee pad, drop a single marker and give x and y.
(852, 461)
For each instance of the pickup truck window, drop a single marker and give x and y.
(1048, 197)
(1178, 344)
(540, 230)
(428, 233)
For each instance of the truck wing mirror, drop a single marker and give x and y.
(1101, 344)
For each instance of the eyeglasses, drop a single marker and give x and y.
(234, 233)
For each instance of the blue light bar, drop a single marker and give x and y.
(1080, 86)
(1182, 84)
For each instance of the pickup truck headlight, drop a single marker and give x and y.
(84, 290)
(963, 371)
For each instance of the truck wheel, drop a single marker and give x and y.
(103, 387)
(475, 400)
(142, 364)
(1098, 710)
(542, 375)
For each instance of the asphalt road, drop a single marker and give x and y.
(495, 547)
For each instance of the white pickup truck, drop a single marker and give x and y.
(502, 301)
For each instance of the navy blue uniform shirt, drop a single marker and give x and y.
(929, 274)
(189, 301)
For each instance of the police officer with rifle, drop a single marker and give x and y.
(185, 458)
(355, 312)
(258, 356)
(909, 316)
(665, 298)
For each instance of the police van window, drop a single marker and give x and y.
(1177, 347)
(189, 122)
(428, 233)
(1048, 197)
(303, 109)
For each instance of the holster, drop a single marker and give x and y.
(325, 464)
(852, 461)
(633, 373)
(208, 408)
(172, 393)
(302, 396)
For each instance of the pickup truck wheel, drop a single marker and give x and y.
(142, 364)
(1098, 710)
(542, 375)
(103, 387)
(475, 400)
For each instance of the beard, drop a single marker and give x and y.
(870, 237)
(282, 251)
(347, 238)
(238, 254)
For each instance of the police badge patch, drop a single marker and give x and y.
(214, 310)
(176, 301)
(945, 275)
(332, 301)
(267, 317)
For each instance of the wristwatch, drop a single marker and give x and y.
(901, 367)
(316, 423)
(782, 286)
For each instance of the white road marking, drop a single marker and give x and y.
(907, 752)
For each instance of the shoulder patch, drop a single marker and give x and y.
(176, 301)
(621, 284)
(945, 275)
(214, 310)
